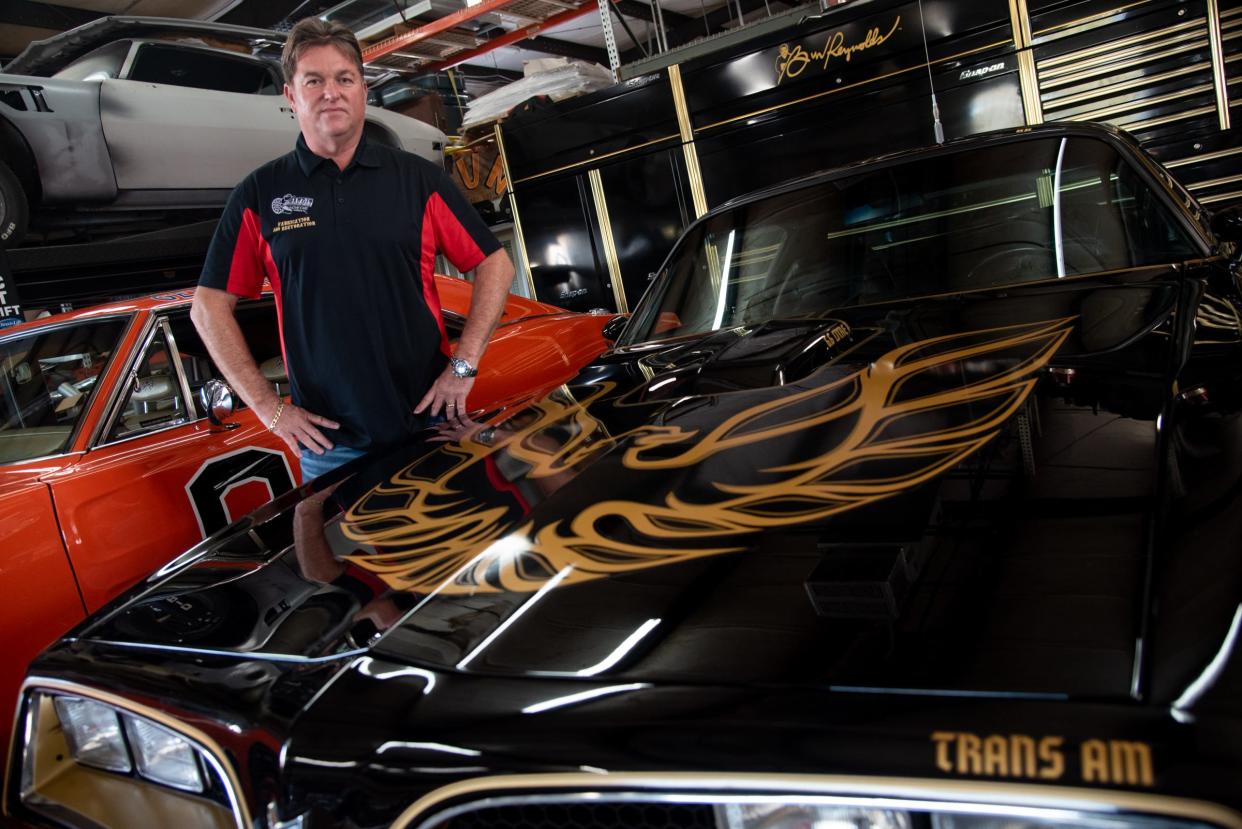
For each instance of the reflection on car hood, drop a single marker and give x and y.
(955, 496)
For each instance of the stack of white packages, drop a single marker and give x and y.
(558, 78)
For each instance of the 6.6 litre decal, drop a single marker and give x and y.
(229, 486)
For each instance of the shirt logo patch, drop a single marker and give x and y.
(289, 203)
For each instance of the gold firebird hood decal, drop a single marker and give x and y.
(875, 433)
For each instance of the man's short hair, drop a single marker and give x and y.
(311, 31)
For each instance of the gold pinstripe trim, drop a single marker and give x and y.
(916, 68)
(1168, 119)
(694, 173)
(518, 238)
(596, 159)
(698, 191)
(679, 102)
(1028, 77)
(1112, 46)
(1214, 182)
(1064, 28)
(1101, 91)
(1215, 197)
(1138, 55)
(1182, 162)
(1218, 63)
(1097, 114)
(610, 245)
(240, 811)
(1020, 24)
(905, 788)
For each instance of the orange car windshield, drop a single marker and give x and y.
(46, 382)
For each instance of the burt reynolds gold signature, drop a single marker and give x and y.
(791, 62)
(831, 444)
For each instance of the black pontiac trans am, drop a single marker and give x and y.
(910, 497)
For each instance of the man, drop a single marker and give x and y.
(347, 232)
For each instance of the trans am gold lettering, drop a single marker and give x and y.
(999, 755)
(1095, 761)
(1051, 760)
(1117, 762)
(995, 756)
(790, 62)
(968, 756)
(943, 740)
(1021, 755)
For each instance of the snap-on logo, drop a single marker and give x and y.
(981, 71)
(291, 204)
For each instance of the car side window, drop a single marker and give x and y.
(100, 64)
(201, 69)
(154, 399)
(259, 328)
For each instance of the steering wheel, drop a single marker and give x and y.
(1021, 262)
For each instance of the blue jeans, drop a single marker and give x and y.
(315, 465)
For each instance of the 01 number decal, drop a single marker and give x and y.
(212, 484)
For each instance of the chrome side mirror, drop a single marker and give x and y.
(217, 400)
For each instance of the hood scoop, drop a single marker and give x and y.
(769, 354)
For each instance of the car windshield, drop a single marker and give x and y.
(1003, 214)
(46, 381)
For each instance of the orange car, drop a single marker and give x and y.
(108, 462)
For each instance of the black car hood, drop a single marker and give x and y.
(952, 496)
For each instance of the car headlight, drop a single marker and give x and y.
(93, 732)
(95, 759)
(96, 736)
(163, 756)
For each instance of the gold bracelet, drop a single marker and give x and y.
(271, 427)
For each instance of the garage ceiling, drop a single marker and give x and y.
(489, 40)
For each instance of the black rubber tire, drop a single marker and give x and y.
(14, 210)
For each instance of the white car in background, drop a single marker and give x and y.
(130, 119)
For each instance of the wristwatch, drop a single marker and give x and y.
(462, 368)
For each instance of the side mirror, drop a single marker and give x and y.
(217, 400)
(613, 328)
(1227, 224)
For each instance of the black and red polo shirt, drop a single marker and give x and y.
(350, 256)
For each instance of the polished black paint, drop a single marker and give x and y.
(729, 84)
(1081, 590)
(613, 120)
(563, 249)
(648, 205)
(751, 131)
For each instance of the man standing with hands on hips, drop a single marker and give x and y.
(347, 232)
